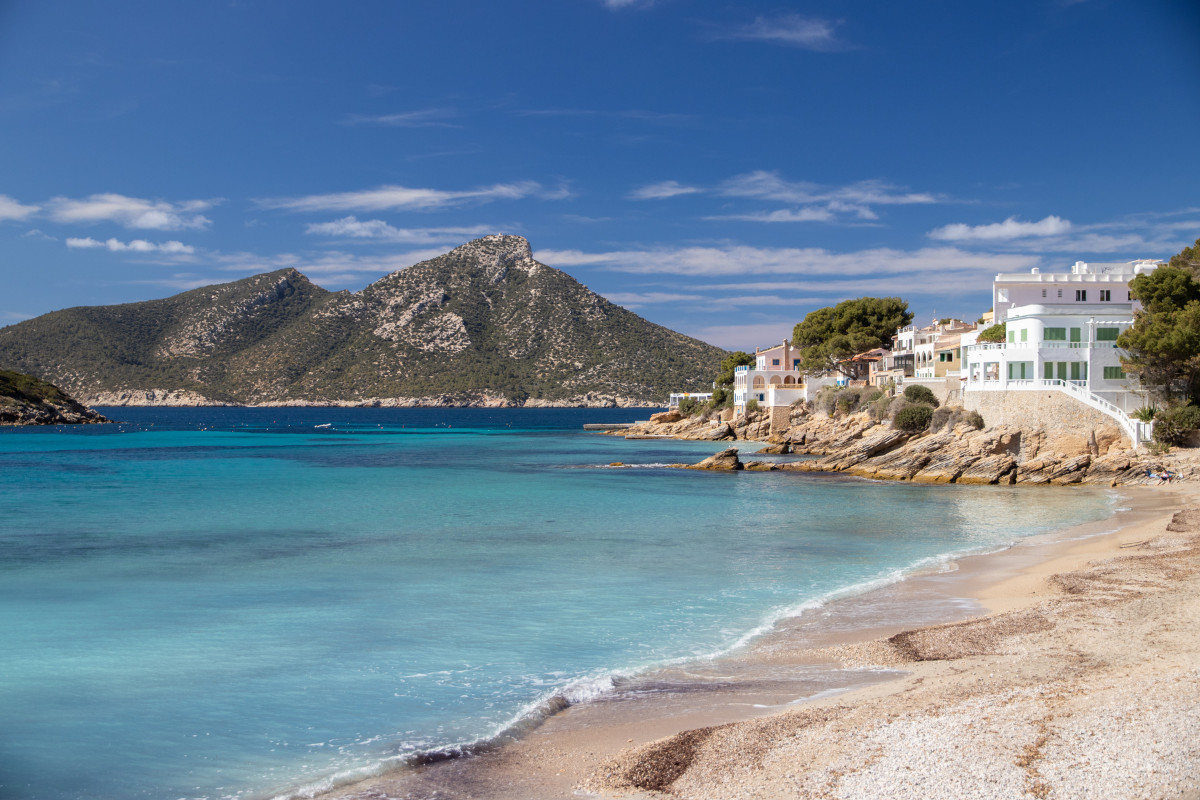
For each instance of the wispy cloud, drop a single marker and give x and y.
(378, 230)
(334, 267)
(405, 198)
(10, 209)
(1011, 228)
(745, 260)
(617, 4)
(132, 212)
(811, 33)
(663, 190)
(653, 117)
(425, 118)
(818, 203)
(36, 234)
(136, 246)
(1140, 235)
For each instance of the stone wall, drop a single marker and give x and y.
(781, 417)
(1066, 425)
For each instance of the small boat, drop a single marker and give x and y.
(326, 425)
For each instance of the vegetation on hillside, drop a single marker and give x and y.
(829, 335)
(27, 388)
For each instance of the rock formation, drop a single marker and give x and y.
(25, 400)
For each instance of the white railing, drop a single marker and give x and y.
(1138, 431)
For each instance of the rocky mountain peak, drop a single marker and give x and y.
(497, 254)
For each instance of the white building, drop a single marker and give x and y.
(775, 366)
(1062, 331)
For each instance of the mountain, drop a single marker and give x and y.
(482, 324)
(25, 400)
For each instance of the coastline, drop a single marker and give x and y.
(834, 657)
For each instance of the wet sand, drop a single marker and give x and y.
(834, 662)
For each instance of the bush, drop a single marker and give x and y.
(722, 398)
(879, 408)
(826, 399)
(869, 397)
(914, 419)
(920, 394)
(752, 405)
(688, 406)
(1174, 425)
(950, 417)
(846, 400)
(1145, 413)
(996, 333)
(896, 405)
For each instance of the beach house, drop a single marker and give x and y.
(1061, 337)
(777, 366)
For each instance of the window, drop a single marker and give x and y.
(1060, 292)
(1012, 337)
(1048, 371)
(1043, 292)
(1075, 334)
(1024, 334)
(1081, 295)
(1129, 295)
(1105, 295)
(1107, 334)
(1020, 370)
(1056, 334)
(795, 363)
(1114, 374)
(1075, 371)
(774, 362)
(1062, 370)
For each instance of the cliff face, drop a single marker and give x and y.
(482, 324)
(25, 400)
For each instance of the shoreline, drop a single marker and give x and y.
(828, 656)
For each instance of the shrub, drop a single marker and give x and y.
(870, 397)
(1145, 413)
(914, 418)
(826, 399)
(688, 406)
(1158, 448)
(920, 394)
(721, 398)
(950, 417)
(846, 400)
(996, 333)
(879, 408)
(1174, 425)
(896, 405)
(752, 405)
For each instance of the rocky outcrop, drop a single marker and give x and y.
(25, 400)
(725, 461)
(1006, 454)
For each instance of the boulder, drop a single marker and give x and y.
(722, 431)
(776, 450)
(761, 466)
(726, 460)
(946, 465)
(1036, 470)
(664, 417)
(1104, 471)
(902, 464)
(857, 451)
(1070, 471)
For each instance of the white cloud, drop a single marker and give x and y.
(744, 337)
(765, 185)
(1011, 228)
(810, 214)
(663, 190)
(136, 246)
(625, 3)
(34, 233)
(426, 118)
(378, 230)
(11, 209)
(743, 260)
(818, 203)
(132, 212)
(402, 197)
(810, 33)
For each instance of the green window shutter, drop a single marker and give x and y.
(1062, 370)
(1107, 334)
(1056, 334)
(1024, 334)
(1114, 374)
(1074, 334)
(1048, 370)
(1012, 336)
(1075, 371)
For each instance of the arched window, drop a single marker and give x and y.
(776, 380)
(789, 380)
(759, 382)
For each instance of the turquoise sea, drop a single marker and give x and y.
(207, 603)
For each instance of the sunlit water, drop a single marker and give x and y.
(230, 602)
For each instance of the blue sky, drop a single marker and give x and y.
(721, 168)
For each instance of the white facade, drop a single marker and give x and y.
(1062, 329)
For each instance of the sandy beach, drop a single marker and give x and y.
(1065, 666)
